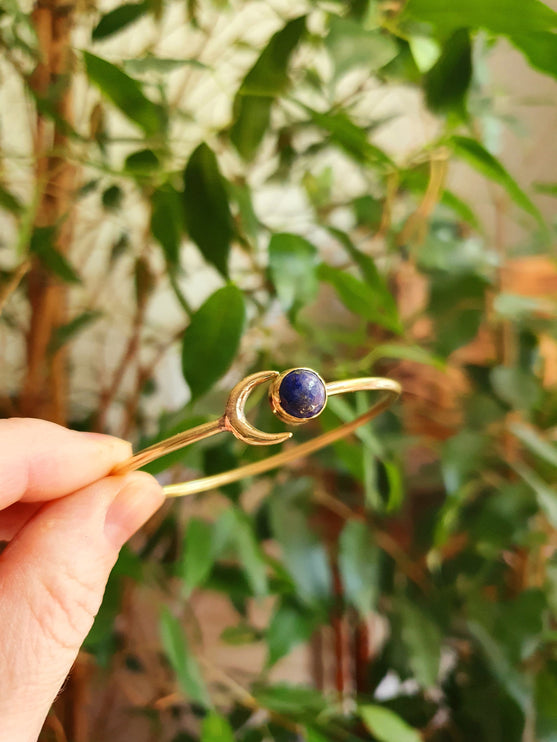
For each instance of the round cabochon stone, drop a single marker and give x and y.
(302, 393)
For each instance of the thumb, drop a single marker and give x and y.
(52, 579)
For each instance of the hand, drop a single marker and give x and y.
(65, 520)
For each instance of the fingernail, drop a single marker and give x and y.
(134, 504)
(111, 441)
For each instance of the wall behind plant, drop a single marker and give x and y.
(289, 181)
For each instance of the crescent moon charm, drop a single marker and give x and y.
(235, 419)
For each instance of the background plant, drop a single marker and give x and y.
(418, 558)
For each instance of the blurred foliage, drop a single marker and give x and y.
(426, 545)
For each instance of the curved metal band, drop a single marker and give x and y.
(234, 421)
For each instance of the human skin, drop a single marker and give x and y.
(65, 519)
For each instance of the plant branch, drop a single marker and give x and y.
(132, 348)
(144, 374)
(14, 282)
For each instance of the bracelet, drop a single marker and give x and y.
(296, 396)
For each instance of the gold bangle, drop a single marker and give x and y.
(296, 396)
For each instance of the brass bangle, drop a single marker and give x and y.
(296, 396)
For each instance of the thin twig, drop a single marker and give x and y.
(108, 395)
(244, 697)
(14, 282)
(145, 373)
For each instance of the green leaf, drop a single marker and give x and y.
(359, 297)
(248, 550)
(358, 561)
(506, 17)
(166, 222)
(248, 223)
(447, 82)
(519, 389)
(535, 443)
(528, 24)
(364, 262)
(269, 75)
(425, 51)
(405, 353)
(350, 45)
(345, 412)
(237, 636)
(42, 245)
(371, 276)
(198, 557)
(292, 266)
(212, 338)
(546, 495)
(395, 482)
(484, 162)
(290, 625)
(520, 622)
(223, 537)
(510, 678)
(303, 555)
(386, 726)
(463, 455)
(142, 163)
(67, 332)
(546, 704)
(297, 700)
(112, 198)
(125, 93)
(118, 19)
(160, 65)
(9, 202)
(266, 80)
(349, 137)
(457, 304)
(90, 186)
(461, 209)
(540, 49)
(231, 581)
(215, 728)
(119, 248)
(221, 457)
(516, 307)
(422, 639)
(311, 735)
(206, 209)
(368, 211)
(182, 661)
(251, 120)
(548, 189)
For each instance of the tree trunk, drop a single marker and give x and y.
(44, 392)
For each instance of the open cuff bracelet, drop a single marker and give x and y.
(296, 396)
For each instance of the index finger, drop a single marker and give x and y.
(42, 461)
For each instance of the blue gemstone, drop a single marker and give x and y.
(302, 393)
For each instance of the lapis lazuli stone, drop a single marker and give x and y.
(302, 393)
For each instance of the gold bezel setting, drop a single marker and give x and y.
(277, 406)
